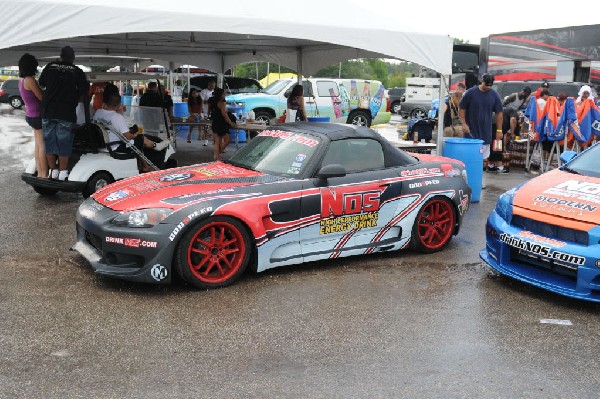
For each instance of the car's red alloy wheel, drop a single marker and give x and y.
(435, 224)
(216, 252)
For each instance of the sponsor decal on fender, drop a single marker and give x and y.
(541, 250)
(186, 220)
(450, 171)
(344, 209)
(423, 183)
(347, 223)
(421, 171)
(158, 272)
(117, 195)
(464, 202)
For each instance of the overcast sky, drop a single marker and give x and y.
(472, 20)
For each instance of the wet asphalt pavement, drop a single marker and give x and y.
(396, 325)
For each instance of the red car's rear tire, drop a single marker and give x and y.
(214, 253)
(434, 225)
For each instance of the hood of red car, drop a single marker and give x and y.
(163, 188)
(562, 194)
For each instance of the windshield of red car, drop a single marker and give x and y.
(277, 152)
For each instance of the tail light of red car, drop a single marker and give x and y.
(388, 106)
(1, 92)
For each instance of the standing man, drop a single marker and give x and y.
(128, 89)
(543, 86)
(151, 98)
(205, 95)
(476, 109)
(63, 84)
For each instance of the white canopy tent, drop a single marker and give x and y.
(307, 37)
(213, 34)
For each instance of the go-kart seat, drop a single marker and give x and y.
(121, 155)
(88, 138)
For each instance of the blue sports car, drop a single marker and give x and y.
(546, 231)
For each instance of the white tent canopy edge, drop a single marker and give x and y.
(213, 34)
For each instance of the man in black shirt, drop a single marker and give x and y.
(151, 98)
(63, 85)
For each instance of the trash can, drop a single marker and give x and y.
(318, 119)
(469, 151)
(237, 136)
(180, 110)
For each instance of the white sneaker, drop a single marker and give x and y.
(53, 174)
(63, 175)
(162, 145)
(205, 143)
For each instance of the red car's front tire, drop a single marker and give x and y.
(214, 253)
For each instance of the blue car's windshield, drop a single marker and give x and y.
(587, 163)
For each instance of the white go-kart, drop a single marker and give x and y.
(94, 164)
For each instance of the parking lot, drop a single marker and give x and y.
(383, 326)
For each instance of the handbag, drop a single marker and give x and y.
(290, 115)
(455, 129)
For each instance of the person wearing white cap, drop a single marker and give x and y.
(584, 93)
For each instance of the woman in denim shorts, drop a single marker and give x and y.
(32, 97)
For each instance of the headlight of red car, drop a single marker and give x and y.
(142, 217)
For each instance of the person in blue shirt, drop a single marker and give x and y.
(476, 111)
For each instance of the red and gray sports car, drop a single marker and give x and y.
(295, 193)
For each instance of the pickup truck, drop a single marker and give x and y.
(356, 101)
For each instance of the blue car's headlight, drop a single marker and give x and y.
(504, 206)
(142, 217)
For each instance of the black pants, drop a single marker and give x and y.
(156, 157)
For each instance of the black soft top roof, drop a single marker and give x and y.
(340, 131)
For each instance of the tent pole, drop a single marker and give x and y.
(267, 74)
(299, 66)
(220, 78)
(439, 144)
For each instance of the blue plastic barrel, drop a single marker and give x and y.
(470, 152)
(239, 134)
(180, 110)
(318, 119)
